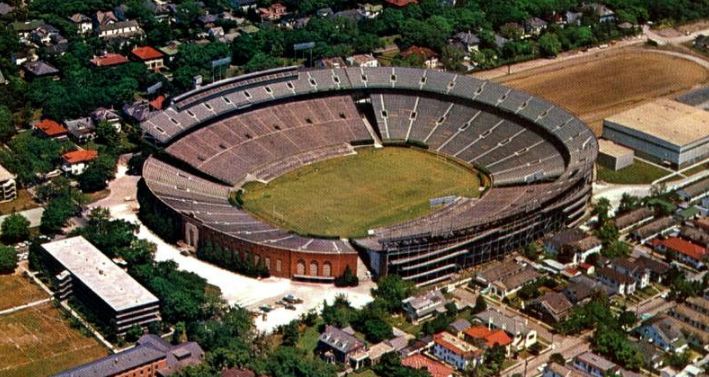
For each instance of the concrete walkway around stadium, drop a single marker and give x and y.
(236, 289)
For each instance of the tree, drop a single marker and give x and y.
(627, 320)
(377, 330)
(601, 209)
(390, 366)
(347, 279)
(549, 45)
(133, 333)
(628, 203)
(96, 176)
(56, 214)
(290, 333)
(531, 251)
(7, 128)
(108, 135)
(480, 304)
(615, 249)
(15, 228)
(392, 289)
(8, 259)
(557, 358)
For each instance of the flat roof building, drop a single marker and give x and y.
(663, 130)
(82, 270)
(8, 187)
(614, 156)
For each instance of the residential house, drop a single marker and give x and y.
(107, 115)
(683, 251)
(334, 62)
(82, 22)
(634, 218)
(109, 60)
(370, 11)
(423, 306)
(51, 129)
(151, 57)
(363, 60)
(573, 18)
(151, 357)
(603, 13)
(598, 366)
(483, 337)
(216, 33)
(244, 5)
(238, 372)
(207, 20)
(337, 345)
(46, 35)
(619, 283)
(103, 18)
(324, 12)
(272, 13)
(653, 357)
(695, 235)
(467, 41)
(24, 28)
(522, 336)
(498, 270)
(434, 368)
(634, 269)
(458, 326)
(40, 68)
(427, 56)
(510, 285)
(122, 29)
(401, 3)
(171, 49)
(581, 288)
(694, 191)
(576, 252)
(534, 26)
(82, 129)
(6, 9)
(3, 80)
(8, 186)
(665, 333)
(555, 243)
(653, 229)
(76, 162)
(455, 351)
(138, 111)
(500, 41)
(551, 307)
(557, 370)
(658, 269)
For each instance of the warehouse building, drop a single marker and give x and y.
(82, 271)
(663, 131)
(614, 156)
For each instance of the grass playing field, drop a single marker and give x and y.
(346, 196)
(38, 342)
(17, 290)
(638, 173)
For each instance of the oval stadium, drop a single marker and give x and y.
(220, 143)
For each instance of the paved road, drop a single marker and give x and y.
(570, 347)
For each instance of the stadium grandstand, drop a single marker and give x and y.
(259, 126)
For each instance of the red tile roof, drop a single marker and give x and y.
(157, 103)
(401, 3)
(490, 337)
(436, 369)
(423, 52)
(85, 155)
(682, 246)
(109, 60)
(51, 128)
(146, 53)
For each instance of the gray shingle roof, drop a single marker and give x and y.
(340, 340)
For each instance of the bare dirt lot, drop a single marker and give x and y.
(39, 342)
(17, 290)
(609, 82)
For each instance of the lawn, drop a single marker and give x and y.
(697, 169)
(39, 342)
(24, 201)
(346, 196)
(308, 340)
(17, 290)
(638, 173)
(364, 373)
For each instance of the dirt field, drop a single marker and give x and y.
(39, 342)
(17, 290)
(347, 196)
(609, 82)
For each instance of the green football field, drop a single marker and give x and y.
(348, 195)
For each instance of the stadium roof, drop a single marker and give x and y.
(98, 273)
(669, 120)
